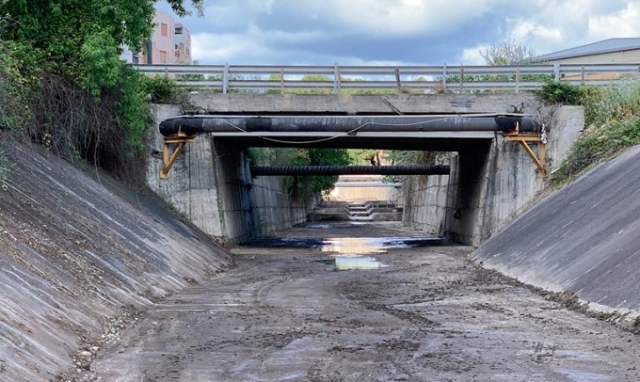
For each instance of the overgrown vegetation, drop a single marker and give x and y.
(63, 85)
(562, 93)
(162, 89)
(612, 117)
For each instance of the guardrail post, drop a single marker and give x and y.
(337, 79)
(444, 77)
(281, 81)
(398, 82)
(556, 72)
(517, 80)
(225, 79)
(461, 79)
(582, 75)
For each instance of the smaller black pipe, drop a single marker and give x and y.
(349, 170)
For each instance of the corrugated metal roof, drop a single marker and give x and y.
(600, 47)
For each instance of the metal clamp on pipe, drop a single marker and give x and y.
(168, 157)
(526, 138)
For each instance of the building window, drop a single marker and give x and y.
(178, 30)
(163, 57)
(164, 30)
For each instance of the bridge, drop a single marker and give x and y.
(497, 159)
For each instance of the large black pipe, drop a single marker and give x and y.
(349, 170)
(193, 125)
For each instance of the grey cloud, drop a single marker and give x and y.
(277, 29)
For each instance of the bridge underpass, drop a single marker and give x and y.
(282, 313)
(471, 136)
(421, 311)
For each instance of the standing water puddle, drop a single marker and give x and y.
(349, 252)
(345, 263)
(352, 245)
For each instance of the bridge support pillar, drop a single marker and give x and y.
(208, 184)
(491, 183)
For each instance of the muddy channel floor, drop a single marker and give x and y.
(429, 314)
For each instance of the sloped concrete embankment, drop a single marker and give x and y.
(582, 239)
(75, 251)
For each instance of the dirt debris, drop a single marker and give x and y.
(91, 346)
(428, 315)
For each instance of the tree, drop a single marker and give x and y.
(61, 33)
(73, 47)
(507, 53)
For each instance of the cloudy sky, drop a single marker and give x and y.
(397, 32)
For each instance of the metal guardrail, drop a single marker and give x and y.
(429, 79)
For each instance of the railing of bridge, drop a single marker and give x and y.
(388, 79)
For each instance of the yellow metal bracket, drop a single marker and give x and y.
(168, 157)
(525, 139)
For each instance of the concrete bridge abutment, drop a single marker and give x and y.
(210, 186)
(489, 184)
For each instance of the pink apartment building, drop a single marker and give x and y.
(170, 43)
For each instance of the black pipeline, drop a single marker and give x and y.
(193, 125)
(349, 170)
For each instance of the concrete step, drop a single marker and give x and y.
(374, 210)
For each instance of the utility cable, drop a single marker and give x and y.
(355, 130)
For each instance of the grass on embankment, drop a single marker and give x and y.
(612, 117)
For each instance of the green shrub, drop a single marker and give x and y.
(618, 102)
(14, 115)
(561, 93)
(162, 89)
(612, 116)
(600, 144)
(261, 156)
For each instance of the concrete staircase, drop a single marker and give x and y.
(370, 211)
(375, 211)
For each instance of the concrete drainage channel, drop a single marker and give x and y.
(284, 313)
(370, 211)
